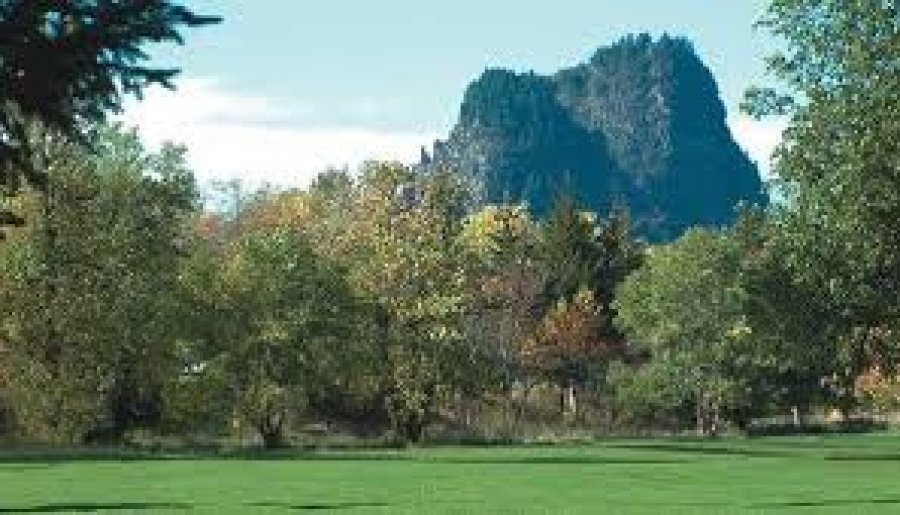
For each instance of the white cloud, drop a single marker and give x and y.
(234, 135)
(759, 138)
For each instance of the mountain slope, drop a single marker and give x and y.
(640, 124)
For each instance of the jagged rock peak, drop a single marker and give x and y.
(641, 123)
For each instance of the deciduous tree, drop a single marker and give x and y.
(839, 167)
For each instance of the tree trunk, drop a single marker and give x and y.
(522, 411)
(412, 430)
(846, 400)
(700, 417)
(270, 427)
(271, 438)
(568, 402)
(715, 419)
(707, 416)
(573, 402)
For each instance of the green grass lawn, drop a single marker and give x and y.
(831, 474)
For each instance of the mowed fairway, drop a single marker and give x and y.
(833, 474)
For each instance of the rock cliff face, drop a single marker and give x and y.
(641, 124)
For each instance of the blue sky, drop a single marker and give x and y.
(284, 88)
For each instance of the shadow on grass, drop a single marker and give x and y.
(712, 450)
(823, 504)
(863, 457)
(26, 461)
(772, 505)
(29, 459)
(318, 506)
(675, 450)
(821, 453)
(555, 460)
(15, 467)
(95, 507)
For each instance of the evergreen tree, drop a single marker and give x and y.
(67, 63)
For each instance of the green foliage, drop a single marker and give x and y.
(276, 327)
(87, 313)
(569, 249)
(585, 259)
(686, 306)
(650, 396)
(414, 268)
(785, 315)
(840, 170)
(400, 299)
(65, 64)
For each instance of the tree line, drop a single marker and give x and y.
(384, 303)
